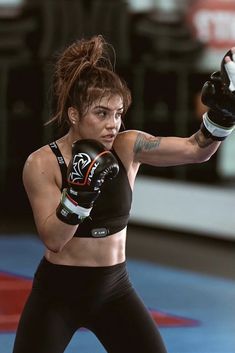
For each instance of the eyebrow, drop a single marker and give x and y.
(106, 108)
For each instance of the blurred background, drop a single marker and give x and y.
(165, 50)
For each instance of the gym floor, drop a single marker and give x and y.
(187, 282)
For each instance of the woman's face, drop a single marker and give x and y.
(102, 120)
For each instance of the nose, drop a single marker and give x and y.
(112, 122)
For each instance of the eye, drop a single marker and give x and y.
(101, 113)
(118, 116)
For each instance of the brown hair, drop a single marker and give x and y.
(83, 73)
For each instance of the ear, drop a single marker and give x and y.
(73, 115)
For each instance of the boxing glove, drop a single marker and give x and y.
(90, 166)
(219, 121)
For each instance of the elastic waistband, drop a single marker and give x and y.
(80, 279)
(111, 268)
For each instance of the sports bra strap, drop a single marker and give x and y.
(63, 167)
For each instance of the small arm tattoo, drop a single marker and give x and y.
(144, 143)
(203, 141)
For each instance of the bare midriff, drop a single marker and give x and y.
(94, 252)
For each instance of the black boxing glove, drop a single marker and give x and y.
(219, 121)
(90, 166)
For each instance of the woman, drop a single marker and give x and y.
(81, 211)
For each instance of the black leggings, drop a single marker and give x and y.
(101, 299)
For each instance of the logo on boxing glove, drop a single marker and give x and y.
(83, 169)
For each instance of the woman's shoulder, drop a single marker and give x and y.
(41, 162)
(41, 156)
(124, 147)
(40, 168)
(126, 140)
(127, 136)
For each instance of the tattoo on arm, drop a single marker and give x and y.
(144, 143)
(202, 141)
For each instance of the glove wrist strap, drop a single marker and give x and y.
(72, 205)
(70, 212)
(213, 130)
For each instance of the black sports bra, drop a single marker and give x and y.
(111, 210)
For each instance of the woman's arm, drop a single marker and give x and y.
(216, 125)
(171, 151)
(57, 215)
(39, 178)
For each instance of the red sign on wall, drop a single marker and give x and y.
(213, 22)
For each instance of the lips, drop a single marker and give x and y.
(108, 137)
